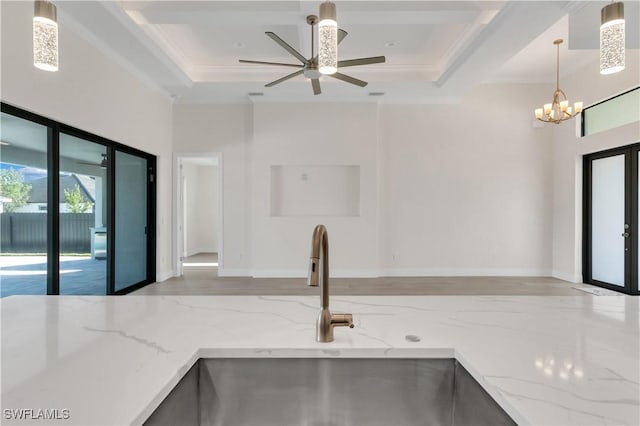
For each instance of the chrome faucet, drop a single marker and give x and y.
(326, 320)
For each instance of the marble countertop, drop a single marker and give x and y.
(112, 360)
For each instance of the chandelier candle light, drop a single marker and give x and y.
(612, 38)
(327, 39)
(558, 110)
(45, 36)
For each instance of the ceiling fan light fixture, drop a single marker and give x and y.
(327, 39)
(612, 38)
(45, 36)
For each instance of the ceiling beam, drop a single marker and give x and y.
(512, 29)
(163, 16)
(108, 27)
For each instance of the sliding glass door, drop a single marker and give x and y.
(611, 185)
(82, 185)
(131, 220)
(77, 211)
(24, 195)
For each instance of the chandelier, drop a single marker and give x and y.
(558, 110)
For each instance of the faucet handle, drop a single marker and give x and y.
(312, 280)
(342, 320)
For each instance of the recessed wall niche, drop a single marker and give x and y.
(315, 190)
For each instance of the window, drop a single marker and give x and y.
(611, 113)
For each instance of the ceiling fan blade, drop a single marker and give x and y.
(286, 46)
(341, 35)
(361, 61)
(270, 63)
(348, 79)
(285, 78)
(315, 83)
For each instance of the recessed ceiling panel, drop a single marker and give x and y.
(213, 45)
(402, 44)
(433, 49)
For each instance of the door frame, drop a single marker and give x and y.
(631, 217)
(178, 213)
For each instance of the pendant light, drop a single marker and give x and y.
(612, 38)
(327, 39)
(45, 36)
(558, 110)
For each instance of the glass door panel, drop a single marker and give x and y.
(130, 220)
(608, 220)
(24, 190)
(83, 216)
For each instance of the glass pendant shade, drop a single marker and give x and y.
(612, 38)
(45, 36)
(327, 39)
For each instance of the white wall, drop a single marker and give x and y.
(191, 196)
(445, 189)
(208, 211)
(314, 134)
(202, 208)
(226, 129)
(591, 87)
(466, 188)
(93, 93)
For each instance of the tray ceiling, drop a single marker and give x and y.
(436, 50)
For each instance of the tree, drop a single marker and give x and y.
(76, 202)
(12, 186)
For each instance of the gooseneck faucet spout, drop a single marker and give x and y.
(320, 258)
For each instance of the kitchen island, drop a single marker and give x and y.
(112, 360)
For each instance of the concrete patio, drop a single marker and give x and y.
(79, 275)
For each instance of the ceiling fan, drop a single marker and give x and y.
(102, 163)
(309, 67)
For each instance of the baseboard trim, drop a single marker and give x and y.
(465, 272)
(400, 272)
(163, 276)
(572, 278)
(303, 273)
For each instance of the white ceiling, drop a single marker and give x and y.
(435, 50)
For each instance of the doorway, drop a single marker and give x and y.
(199, 216)
(611, 221)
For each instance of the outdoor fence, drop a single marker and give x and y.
(27, 232)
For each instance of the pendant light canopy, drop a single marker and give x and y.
(45, 36)
(612, 38)
(558, 110)
(328, 39)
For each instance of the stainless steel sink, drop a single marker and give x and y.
(310, 391)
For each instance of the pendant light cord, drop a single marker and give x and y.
(558, 68)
